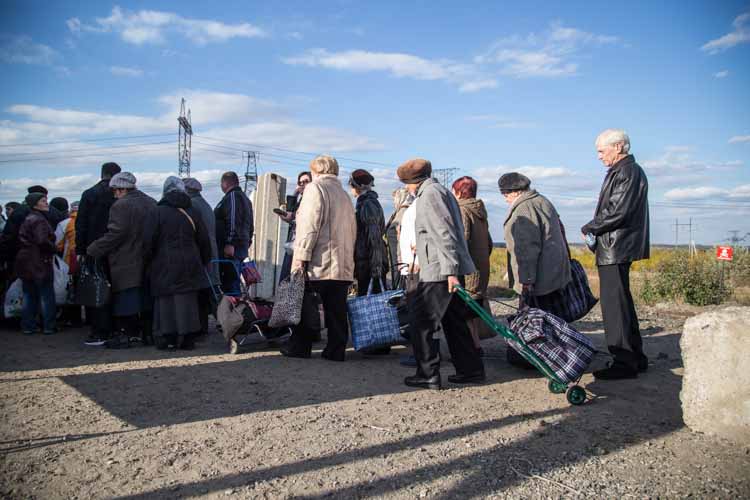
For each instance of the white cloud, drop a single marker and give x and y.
(125, 71)
(152, 27)
(695, 193)
(397, 64)
(739, 138)
(741, 34)
(547, 55)
(721, 74)
(677, 165)
(23, 50)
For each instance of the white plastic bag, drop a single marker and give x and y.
(60, 269)
(14, 300)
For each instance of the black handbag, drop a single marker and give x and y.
(92, 288)
(313, 314)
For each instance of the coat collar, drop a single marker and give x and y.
(531, 194)
(424, 185)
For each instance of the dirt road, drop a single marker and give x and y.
(82, 422)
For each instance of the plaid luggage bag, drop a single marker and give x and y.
(373, 319)
(567, 351)
(578, 297)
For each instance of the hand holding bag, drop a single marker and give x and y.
(287, 308)
(374, 318)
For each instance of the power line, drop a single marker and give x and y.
(92, 155)
(97, 148)
(103, 139)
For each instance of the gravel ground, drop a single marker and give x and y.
(82, 422)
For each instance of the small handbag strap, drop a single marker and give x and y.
(192, 223)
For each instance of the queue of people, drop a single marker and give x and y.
(157, 255)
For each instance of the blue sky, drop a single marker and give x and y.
(485, 87)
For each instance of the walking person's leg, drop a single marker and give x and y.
(30, 307)
(48, 306)
(465, 358)
(618, 314)
(427, 305)
(334, 295)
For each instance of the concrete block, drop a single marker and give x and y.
(267, 248)
(716, 384)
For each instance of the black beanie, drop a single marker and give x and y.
(38, 189)
(59, 203)
(361, 178)
(513, 181)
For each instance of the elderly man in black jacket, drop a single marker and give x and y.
(91, 224)
(621, 228)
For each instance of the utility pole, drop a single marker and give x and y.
(734, 239)
(184, 141)
(444, 176)
(251, 170)
(677, 227)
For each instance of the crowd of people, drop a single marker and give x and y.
(158, 256)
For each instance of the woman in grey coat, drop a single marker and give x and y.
(193, 188)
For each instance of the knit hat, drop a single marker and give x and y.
(192, 184)
(513, 181)
(361, 178)
(33, 198)
(123, 180)
(59, 203)
(414, 171)
(38, 189)
(173, 184)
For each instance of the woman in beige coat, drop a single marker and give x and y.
(324, 246)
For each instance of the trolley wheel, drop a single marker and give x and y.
(234, 347)
(576, 395)
(556, 387)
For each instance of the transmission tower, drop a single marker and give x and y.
(444, 176)
(735, 237)
(251, 170)
(184, 141)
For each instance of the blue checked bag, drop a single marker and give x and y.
(565, 350)
(373, 319)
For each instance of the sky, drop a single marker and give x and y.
(482, 87)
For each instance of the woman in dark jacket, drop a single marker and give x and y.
(479, 241)
(176, 249)
(34, 266)
(370, 252)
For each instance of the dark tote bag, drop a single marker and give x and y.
(92, 288)
(313, 314)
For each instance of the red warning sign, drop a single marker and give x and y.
(724, 253)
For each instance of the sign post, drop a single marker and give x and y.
(724, 254)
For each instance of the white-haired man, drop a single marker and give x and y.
(621, 228)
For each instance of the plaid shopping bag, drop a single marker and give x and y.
(565, 350)
(578, 297)
(373, 319)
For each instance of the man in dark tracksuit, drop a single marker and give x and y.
(234, 230)
(91, 224)
(621, 227)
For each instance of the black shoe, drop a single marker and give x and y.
(616, 372)
(121, 341)
(186, 343)
(472, 378)
(424, 382)
(49, 332)
(643, 364)
(292, 353)
(330, 357)
(162, 343)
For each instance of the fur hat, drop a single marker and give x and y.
(123, 180)
(414, 171)
(193, 185)
(33, 198)
(38, 189)
(361, 178)
(513, 181)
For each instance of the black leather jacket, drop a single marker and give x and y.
(621, 223)
(370, 257)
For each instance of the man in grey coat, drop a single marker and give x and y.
(193, 188)
(444, 259)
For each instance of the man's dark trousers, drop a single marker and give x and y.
(431, 307)
(620, 320)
